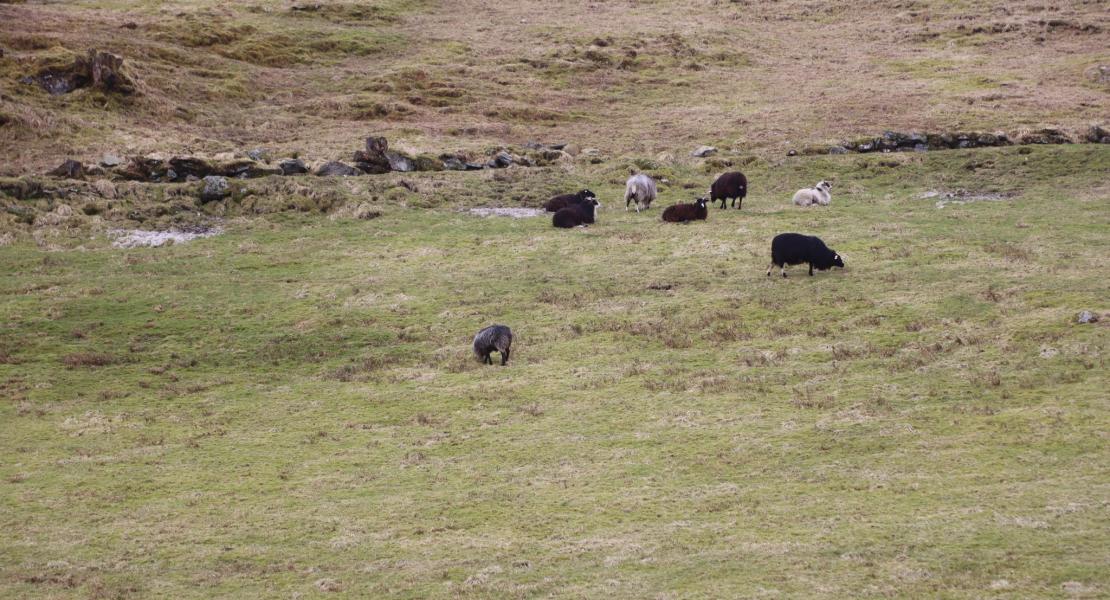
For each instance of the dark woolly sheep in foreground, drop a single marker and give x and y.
(560, 202)
(495, 338)
(640, 189)
(575, 215)
(795, 249)
(686, 212)
(730, 186)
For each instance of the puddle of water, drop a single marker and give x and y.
(515, 213)
(140, 238)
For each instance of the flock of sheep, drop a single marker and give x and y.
(580, 209)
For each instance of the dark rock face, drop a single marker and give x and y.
(336, 169)
(185, 166)
(98, 69)
(215, 188)
(70, 169)
(143, 168)
(292, 166)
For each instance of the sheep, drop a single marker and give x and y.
(679, 213)
(795, 249)
(732, 186)
(576, 214)
(640, 188)
(818, 194)
(565, 200)
(493, 338)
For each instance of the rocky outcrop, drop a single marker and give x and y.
(97, 69)
(337, 169)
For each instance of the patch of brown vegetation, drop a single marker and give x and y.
(90, 359)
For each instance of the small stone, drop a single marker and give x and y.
(838, 150)
(500, 160)
(109, 161)
(216, 188)
(1086, 317)
(792, 152)
(704, 151)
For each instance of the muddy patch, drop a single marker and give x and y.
(140, 238)
(964, 197)
(515, 213)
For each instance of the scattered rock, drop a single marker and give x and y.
(838, 150)
(704, 151)
(336, 169)
(1049, 352)
(500, 160)
(292, 166)
(427, 162)
(453, 163)
(793, 152)
(246, 169)
(373, 159)
(110, 161)
(571, 149)
(215, 188)
(259, 154)
(1097, 135)
(70, 169)
(399, 162)
(328, 585)
(1045, 136)
(1086, 317)
(475, 166)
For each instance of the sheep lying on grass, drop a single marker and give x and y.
(495, 338)
(686, 212)
(818, 194)
(641, 189)
(576, 214)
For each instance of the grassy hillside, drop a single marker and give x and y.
(640, 76)
(292, 409)
(292, 406)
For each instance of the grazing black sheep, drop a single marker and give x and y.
(686, 212)
(732, 186)
(562, 201)
(495, 338)
(575, 215)
(795, 249)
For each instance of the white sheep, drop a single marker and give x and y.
(640, 188)
(818, 194)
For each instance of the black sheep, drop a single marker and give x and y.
(686, 212)
(560, 202)
(575, 215)
(732, 186)
(495, 338)
(795, 249)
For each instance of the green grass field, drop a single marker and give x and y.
(291, 409)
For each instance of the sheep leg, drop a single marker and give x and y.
(811, 269)
(769, 269)
(505, 357)
(784, 270)
(487, 360)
